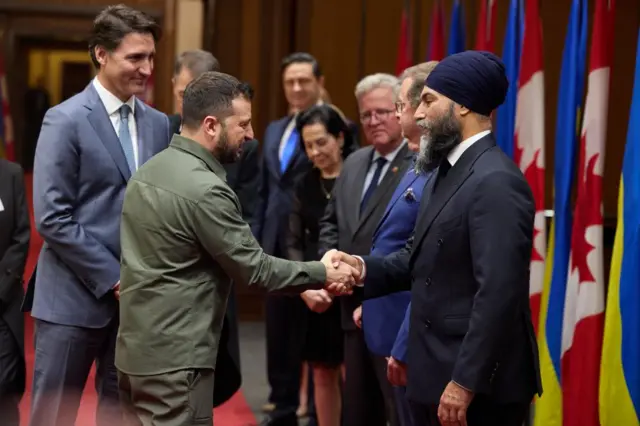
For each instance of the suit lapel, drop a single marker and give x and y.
(355, 187)
(101, 123)
(145, 134)
(404, 184)
(388, 183)
(447, 188)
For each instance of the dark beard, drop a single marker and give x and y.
(224, 152)
(442, 135)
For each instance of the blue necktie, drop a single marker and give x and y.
(289, 149)
(380, 162)
(125, 137)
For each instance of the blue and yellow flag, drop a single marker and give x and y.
(548, 409)
(456, 30)
(506, 114)
(620, 368)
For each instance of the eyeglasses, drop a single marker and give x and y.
(380, 114)
(400, 106)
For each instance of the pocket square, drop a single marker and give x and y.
(409, 195)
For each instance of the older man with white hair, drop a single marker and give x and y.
(360, 196)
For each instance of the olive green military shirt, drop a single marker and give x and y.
(183, 242)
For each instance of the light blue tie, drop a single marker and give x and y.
(125, 137)
(288, 150)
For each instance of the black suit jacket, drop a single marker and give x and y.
(277, 190)
(468, 269)
(15, 232)
(344, 228)
(242, 177)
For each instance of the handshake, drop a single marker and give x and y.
(343, 272)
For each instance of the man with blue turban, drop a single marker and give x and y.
(472, 353)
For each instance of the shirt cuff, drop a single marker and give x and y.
(364, 271)
(468, 390)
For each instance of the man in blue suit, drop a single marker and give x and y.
(88, 148)
(385, 319)
(283, 164)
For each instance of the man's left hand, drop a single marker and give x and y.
(454, 403)
(396, 372)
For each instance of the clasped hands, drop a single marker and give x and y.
(343, 272)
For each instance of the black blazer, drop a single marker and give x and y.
(468, 271)
(242, 177)
(342, 226)
(277, 189)
(15, 232)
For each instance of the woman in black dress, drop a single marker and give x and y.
(326, 139)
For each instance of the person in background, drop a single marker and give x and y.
(368, 179)
(325, 139)
(283, 164)
(15, 232)
(89, 147)
(183, 244)
(385, 319)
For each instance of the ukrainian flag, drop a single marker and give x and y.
(620, 369)
(548, 409)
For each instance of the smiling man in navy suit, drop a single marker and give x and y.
(384, 321)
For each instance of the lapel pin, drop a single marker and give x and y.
(409, 195)
(395, 170)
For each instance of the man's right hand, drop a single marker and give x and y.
(116, 290)
(341, 277)
(339, 256)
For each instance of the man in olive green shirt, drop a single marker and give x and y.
(183, 242)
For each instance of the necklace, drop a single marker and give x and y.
(326, 193)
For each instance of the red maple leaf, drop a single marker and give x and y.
(535, 177)
(588, 213)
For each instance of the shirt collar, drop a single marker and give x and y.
(111, 102)
(390, 156)
(457, 152)
(197, 150)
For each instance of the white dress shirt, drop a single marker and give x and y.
(112, 104)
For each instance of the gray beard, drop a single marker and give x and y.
(440, 137)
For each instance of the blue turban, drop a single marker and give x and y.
(473, 79)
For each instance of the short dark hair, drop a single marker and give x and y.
(114, 23)
(211, 93)
(331, 119)
(246, 90)
(302, 58)
(196, 61)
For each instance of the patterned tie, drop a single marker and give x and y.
(289, 149)
(125, 136)
(380, 162)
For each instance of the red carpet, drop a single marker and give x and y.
(235, 412)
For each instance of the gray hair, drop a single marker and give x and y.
(197, 62)
(375, 81)
(418, 74)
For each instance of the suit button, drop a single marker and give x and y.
(428, 282)
(427, 324)
(440, 241)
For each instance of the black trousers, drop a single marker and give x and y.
(12, 373)
(368, 398)
(286, 333)
(482, 412)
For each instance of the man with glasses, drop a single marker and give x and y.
(369, 178)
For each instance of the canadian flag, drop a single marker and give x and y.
(486, 26)
(529, 143)
(583, 320)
